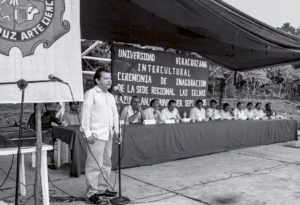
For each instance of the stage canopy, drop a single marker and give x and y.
(211, 28)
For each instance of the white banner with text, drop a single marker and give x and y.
(40, 40)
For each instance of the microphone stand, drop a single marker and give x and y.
(120, 200)
(22, 84)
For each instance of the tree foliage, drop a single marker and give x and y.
(288, 28)
(273, 82)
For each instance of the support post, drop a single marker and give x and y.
(38, 128)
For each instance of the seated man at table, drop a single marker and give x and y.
(270, 113)
(226, 113)
(212, 113)
(71, 117)
(31, 120)
(249, 112)
(258, 112)
(133, 113)
(170, 112)
(152, 112)
(239, 113)
(197, 113)
(48, 119)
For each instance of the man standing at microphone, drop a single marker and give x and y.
(99, 122)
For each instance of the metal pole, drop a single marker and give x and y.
(120, 200)
(119, 169)
(19, 147)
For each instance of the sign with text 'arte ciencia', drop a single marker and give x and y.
(155, 74)
(37, 39)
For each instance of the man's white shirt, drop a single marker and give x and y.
(225, 115)
(127, 112)
(249, 113)
(259, 114)
(167, 115)
(239, 114)
(196, 113)
(213, 113)
(151, 114)
(99, 114)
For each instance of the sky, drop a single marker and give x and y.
(272, 12)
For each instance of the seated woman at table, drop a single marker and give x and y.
(226, 113)
(152, 112)
(212, 113)
(133, 113)
(239, 113)
(258, 112)
(249, 112)
(170, 112)
(71, 117)
(197, 113)
(270, 113)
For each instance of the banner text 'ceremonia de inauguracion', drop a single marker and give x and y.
(155, 74)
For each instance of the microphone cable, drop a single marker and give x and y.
(125, 126)
(122, 150)
(7, 174)
(86, 141)
(124, 131)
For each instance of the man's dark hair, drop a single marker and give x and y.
(225, 105)
(170, 102)
(249, 103)
(134, 97)
(213, 101)
(258, 103)
(268, 105)
(99, 73)
(238, 103)
(199, 101)
(73, 103)
(153, 101)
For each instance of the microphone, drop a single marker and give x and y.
(116, 88)
(56, 79)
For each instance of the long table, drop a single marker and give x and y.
(77, 144)
(9, 137)
(151, 144)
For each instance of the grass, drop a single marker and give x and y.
(10, 114)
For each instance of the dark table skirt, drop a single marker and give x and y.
(151, 144)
